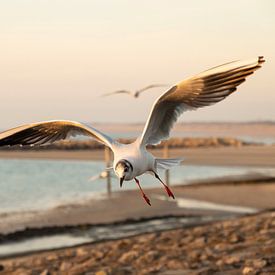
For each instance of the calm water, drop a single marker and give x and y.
(41, 184)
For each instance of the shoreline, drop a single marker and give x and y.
(257, 193)
(241, 245)
(84, 229)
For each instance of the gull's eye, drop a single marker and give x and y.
(125, 169)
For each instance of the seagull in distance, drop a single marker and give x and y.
(133, 160)
(135, 94)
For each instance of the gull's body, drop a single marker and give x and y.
(136, 93)
(133, 160)
(141, 160)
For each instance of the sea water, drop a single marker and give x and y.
(42, 184)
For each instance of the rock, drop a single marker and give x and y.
(146, 239)
(123, 244)
(259, 263)
(174, 264)
(220, 262)
(65, 266)
(147, 258)
(220, 246)
(234, 238)
(38, 262)
(199, 241)
(52, 257)
(81, 252)
(150, 270)
(98, 255)
(45, 272)
(22, 271)
(70, 253)
(204, 271)
(248, 271)
(101, 272)
(128, 257)
(152, 255)
(231, 260)
(204, 257)
(1, 267)
(194, 255)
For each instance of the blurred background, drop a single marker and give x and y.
(57, 60)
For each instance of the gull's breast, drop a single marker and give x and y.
(141, 160)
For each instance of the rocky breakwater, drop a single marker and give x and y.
(171, 143)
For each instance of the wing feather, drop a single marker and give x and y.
(117, 92)
(151, 87)
(204, 89)
(46, 132)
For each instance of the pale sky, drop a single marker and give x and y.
(58, 56)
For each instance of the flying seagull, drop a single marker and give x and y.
(133, 160)
(135, 94)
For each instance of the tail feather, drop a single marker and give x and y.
(167, 163)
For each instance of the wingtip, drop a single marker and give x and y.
(261, 59)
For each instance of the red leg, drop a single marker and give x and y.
(167, 189)
(143, 194)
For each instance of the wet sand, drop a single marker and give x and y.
(261, 156)
(129, 204)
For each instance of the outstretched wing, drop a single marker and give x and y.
(151, 86)
(50, 131)
(117, 92)
(204, 89)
